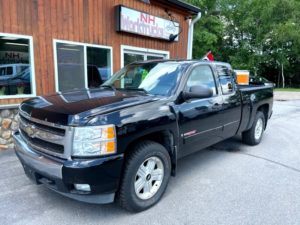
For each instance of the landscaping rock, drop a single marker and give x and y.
(6, 123)
(10, 146)
(6, 134)
(2, 141)
(3, 147)
(5, 113)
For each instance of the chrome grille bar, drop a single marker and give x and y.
(52, 139)
(35, 132)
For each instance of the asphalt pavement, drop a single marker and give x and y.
(229, 183)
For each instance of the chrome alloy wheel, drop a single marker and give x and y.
(148, 178)
(258, 128)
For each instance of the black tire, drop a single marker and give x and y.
(127, 196)
(248, 136)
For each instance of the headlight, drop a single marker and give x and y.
(94, 140)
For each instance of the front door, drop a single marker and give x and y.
(199, 119)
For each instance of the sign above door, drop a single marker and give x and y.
(141, 23)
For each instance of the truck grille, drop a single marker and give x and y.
(54, 130)
(40, 144)
(45, 137)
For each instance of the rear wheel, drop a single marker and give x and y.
(255, 134)
(146, 176)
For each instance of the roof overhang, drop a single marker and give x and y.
(182, 5)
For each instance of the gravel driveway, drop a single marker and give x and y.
(229, 183)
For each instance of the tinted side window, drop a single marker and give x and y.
(226, 79)
(202, 75)
(2, 71)
(9, 70)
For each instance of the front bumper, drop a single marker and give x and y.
(102, 174)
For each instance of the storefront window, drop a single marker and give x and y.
(134, 54)
(70, 66)
(131, 57)
(81, 65)
(15, 66)
(98, 60)
(151, 57)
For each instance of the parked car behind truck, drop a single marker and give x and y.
(122, 141)
(9, 71)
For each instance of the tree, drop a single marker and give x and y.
(261, 36)
(267, 31)
(208, 31)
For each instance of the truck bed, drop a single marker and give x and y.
(252, 87)
(254, 96)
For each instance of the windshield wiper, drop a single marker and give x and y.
(109, 86)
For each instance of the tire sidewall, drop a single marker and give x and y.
(259, 115)
(136, 203)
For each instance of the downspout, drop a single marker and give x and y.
(191, 35)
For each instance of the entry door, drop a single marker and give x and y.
(199, 119)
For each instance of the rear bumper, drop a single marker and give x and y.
(102, 174)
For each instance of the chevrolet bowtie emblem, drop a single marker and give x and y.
(30, 130)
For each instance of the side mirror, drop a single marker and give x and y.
(198, 91)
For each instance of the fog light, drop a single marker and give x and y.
(82, 187)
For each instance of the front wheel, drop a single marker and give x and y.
(255, 134)
(146, 176)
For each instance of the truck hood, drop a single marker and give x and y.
(69, 108)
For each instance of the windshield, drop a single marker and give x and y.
(157, 78)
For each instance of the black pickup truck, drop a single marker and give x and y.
(121, 141)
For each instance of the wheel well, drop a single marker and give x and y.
(265, 110)
(165, 138)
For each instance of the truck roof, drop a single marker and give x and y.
(185, 61)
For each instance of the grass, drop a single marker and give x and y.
(288, 89)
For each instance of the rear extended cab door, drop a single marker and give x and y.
(230, 114)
